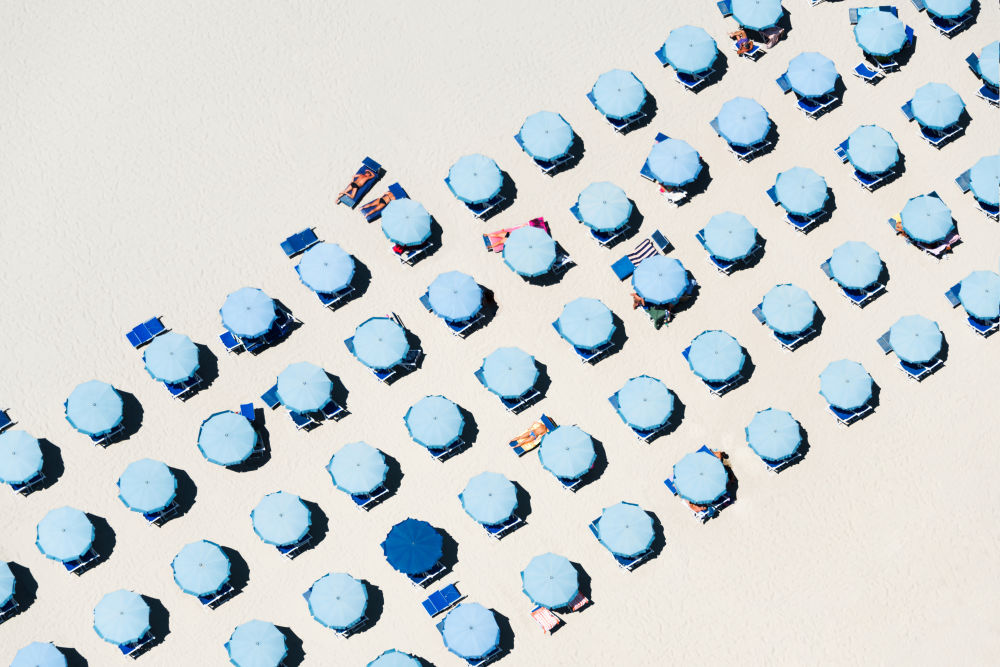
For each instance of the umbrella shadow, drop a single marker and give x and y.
(487, 311)
(719, 66)
(552, 276)
(338, 392)
(433, 243)
(943, 352)
(585, 585)
(508, 190)
(185, 493)
(360, 281)
(523, 507)
(295, 653)
(874, 401)
(73, 657)
(803, 449)
(293, 325)
(449, 551)
(785, 23)
(599, 466)
(104, 539)
(208, 367)
(373, 610)
(470, 429)
(239, 571)
(575, 153)
(25, 586)
(659, 537)
(746, 372)
(756, 254)
(543, 382)
(675, 419)
(393, 477)
(648, 109)
(131, 415)
(319, 524)
(700, 184)
(264, 455)
(52, 464)
(506, 633)
(159, 622)
(618, 337)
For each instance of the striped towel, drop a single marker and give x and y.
(578, 602)
(642, 251)
(545, 618)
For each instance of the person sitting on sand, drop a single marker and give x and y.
(743, 43)
(359, 179)
(637, 301)
(377, 205)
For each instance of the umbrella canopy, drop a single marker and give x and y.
(470, 631)
(406, 222)
(700, 478)
(660, 280)
(618, 94)
(801, 191)
(529, 251)
(774, 435)
(729, 236)
(474, 179)
(948, 8)
(39, 654)
(412, 546)
(871, 149)
(811, 74)
(304, 387)
(171, 357)
(937, 106)
(550, 580)
(226, 438)
(326, 268)
(757, 14)
(690, 49)
(546, 135)
(743, 122)
(489, 498)
(94, 408)
(674, 162)
(7, 583)
(20, 457)
(845, 384)
(147, 486)
(989, 63)
(337, 600)
(358, 468)
(509, 372)
(567, 452)
(604, 206)
(980, 294)
(200, 568)
(788, 309)
(926, 218)
(915, 339)
(256, 644)
(64, 534)
(121, 617)
(455, 296)
(715, 356)
(248, 312)
(380, 342)
(434, 422)
(645, 403)
(880, 33)
(394, 658)
(586, 323)
(625, 529)
(855, 265)
(984, 178)
(281, 518)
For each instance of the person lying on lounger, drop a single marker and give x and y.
(743, 43)
(377, 205)
(899, 229)
(359, 179)
(530, 437)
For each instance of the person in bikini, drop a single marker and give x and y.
(377, 205)
(743, 43)
(359, 179)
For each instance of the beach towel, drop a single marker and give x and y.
(643, 250)
(545, 618)
(495, 240)
(578, 603)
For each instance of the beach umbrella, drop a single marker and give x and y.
(200, 568)
(618, 94)
(550, 580)
(380, 342)
(248, 312)
(845, 384)
(757, 14)
(509, 372)
(357, 468)
(64, 534)
(926, 218)
(743, 122)
(529, 251)
(801, 191)
(811, 74)
(7, 583)
(434, 422)
(586, 323)
(729, 236)
(774, 435)
(674, 162)
(979, 293)
(412, 546)
(604, 206)
(645, 403)
(871, 149)
(937, 106)
(147, 486)
(855, 265)
(256, 644)
(788, 309)
(94, 408)
(474, 179)
(915, 339)
(949, 9)
(567, 452)
(625, 529)
(281, 518)
(394, 658)
(989, 63)
(171, 357)
(455, 296)
(880, 33)
(337, 600)
(39, 654)
(660, 280)
(326, 268)
(984, 178)
(545, 135)
(226, 438)
(700, 478)
(20, 457)
(406, 222)
(121, 617)
(470, 631)
(304, 387)
(690, 49)
(489, 498)
(715, 356)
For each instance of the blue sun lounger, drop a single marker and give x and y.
(183, 390)
(332, 299)
(78, 566)
(134, 649)
(422, 579)
(952, 295)
(867, 74)
(145, 332)
(290, 551)
(270, 397)
(907, 110)
(213, 600)
(990, 95)
(783, 83)
(983, 327)
(367, 164)
(441, 454)
(725, 8)
(299, 242)
(499, 530)
(883, 343)
(5, 421)
(848, 417)
(442, 600)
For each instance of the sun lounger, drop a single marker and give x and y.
(26, 487)
(79, 565)
(299, 242)
(791, 342)
(867, 74)
(440, 454)
(725, 8)
(578, 602)
(804, 223)
(983, 327)
(783, 83)
(758, 312)
(5, 421)
(907, 110)
(918, 5)
(497, 531)
(368, 165)
(290, 551)
(373, 209)
(694, 81)
(515, 405)
(883, 343)
(270, 397)
(949, 26)
(145, 332)
(869, 182)
(538, 430)
(483, 209)
(988, 94)
(848, 417)
(442, 600)
(134, 649)
(333, 299)
(991, 211)
(546, 620)
(919, 371)
(183, 390)
(213, 600)
(952, 295)
(852, 15)
(606, 239)
(422, 579)
(860, 298)
(302, 420)
(366, 501)
(938, 138)
(161, 517)
(570, 484)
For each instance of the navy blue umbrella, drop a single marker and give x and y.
(412, 546)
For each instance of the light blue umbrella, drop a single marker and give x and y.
(474, 179)
(94, 408)
(567, 452)
(937, 106)
(855, 265)
(121, 617)
(529, 251)
(509, 372)
(20, 457)
(394, 658)
(715, 356)
(915, 339)
(586, 323)
(248, 312)
(357, 468)
(871, 149)
(326, 268)
(489, 498)
(989, 63)
(845, 384)
(660, 280)
(949, 9)
(674, 162)
(171, 357)
(147, 486)
(811, 74)
(200, 568)
(979, 293)
(379, 343)
(604, 206)
(700, 478)
(434, 422)
(64, 534)
(618, 94)
(337, 600)
(690, 49)
(7, 583)
(645, 403)
(625, 529)
(455, 296)
(926, 218)
(801, 191)
(226, 438)
(281, 518)
(757, 14)
(743, 122)
(470, 631)
(412, 546)
(774, 435)
(788, 309)
(304, 387)
(729, 236)
(550, 580)
(984, 178)
(546, 135)
(880, 33)
(406, 222)
(256, 644)
(39, 654)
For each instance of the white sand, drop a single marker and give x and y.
(153, 158)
